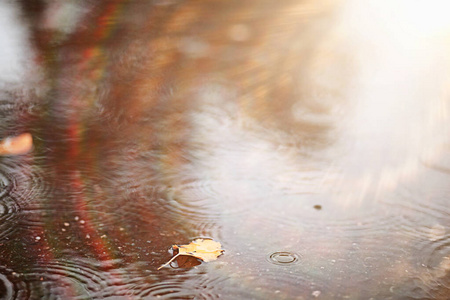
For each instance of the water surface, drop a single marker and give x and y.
(310, 138)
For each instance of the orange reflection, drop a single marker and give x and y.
(17, 145)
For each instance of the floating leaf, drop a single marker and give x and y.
(16, 145)
(204, 249)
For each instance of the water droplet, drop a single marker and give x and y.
(283, 258)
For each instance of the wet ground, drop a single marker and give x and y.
(310, 138)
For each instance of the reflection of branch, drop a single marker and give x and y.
(171, 260)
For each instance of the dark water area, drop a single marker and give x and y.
(310, 138)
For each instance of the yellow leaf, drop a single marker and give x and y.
(204, 249)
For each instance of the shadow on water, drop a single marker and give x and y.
(310, 138)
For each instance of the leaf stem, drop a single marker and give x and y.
(171, 260)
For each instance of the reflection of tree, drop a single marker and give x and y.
(162, 119)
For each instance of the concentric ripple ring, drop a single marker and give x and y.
(283, 258)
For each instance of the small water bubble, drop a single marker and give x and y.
(316, 294)
(283, 258)
(82, 221)
(66, 224)
(76, 218)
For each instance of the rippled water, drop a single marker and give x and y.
(310, 138)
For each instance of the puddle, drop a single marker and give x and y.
(308, 138)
